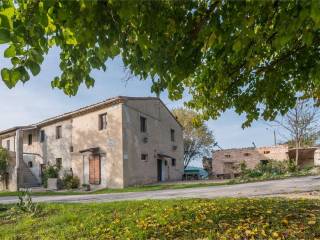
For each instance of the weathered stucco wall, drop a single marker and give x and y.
(11, 140)
(86, 134)
(159, 124)
(50, 149)
(224, 160)
(317, 157)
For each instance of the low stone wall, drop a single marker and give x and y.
(11, 184)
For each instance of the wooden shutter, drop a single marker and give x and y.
(94, 169)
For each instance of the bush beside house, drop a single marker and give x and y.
(67, 182)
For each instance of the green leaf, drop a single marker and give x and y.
(5, 74)
(4, 21)
(10, 77)
(10, 52)
(4, 36)
(36, 56)
(34, 67)
(15, 76)
(55, 82)
(315, 11)
(237, 46)
(307, 38)
(24, 74)
(5, 18)
(15, 61)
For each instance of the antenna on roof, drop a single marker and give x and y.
(217, 145)
(254, 145)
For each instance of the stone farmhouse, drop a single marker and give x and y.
(120, 142)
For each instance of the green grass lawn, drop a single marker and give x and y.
(171, 219)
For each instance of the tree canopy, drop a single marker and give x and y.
(252, 56)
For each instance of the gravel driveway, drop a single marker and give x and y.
(292, 185)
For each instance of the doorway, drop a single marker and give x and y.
(94, 169)
(159, 169)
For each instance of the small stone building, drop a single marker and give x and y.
(225, 163)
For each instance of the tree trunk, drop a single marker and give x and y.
(297, 153)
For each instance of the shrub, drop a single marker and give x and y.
(291, 166)
(272, 167)
(70, 182)
(243, 167)
(3, 162)
(253, 173)
(49, 172)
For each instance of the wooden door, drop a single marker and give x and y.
(94, 169)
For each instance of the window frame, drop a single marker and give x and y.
(143, 124)
(103, 123)
(59, 132)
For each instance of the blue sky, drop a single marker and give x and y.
(36, 100)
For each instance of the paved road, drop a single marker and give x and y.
(301, 184)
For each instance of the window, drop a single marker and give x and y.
(143, 124)
(71, 148)
(247, 154)
(173, 161)
(30, 164)
(59, 163)
(165, 162)
(227, 155)
(102, 121)
(172, 135)
(8, 144)
(264, 162)
(30, 139)
(42, 136)
(266, 152)
(144, 157)
(58, 132)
